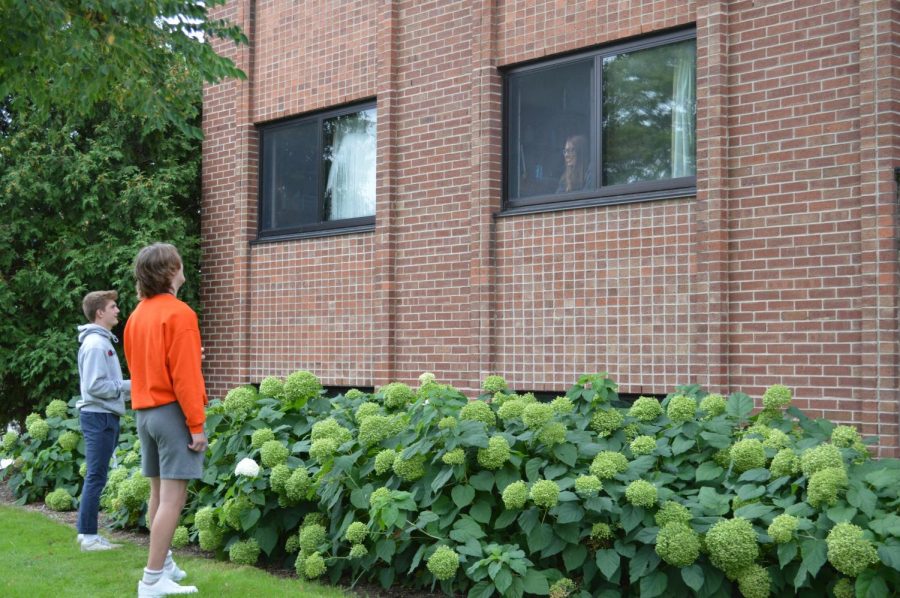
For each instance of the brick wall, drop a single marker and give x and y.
(782, 269)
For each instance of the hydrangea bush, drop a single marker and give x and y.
(505, 495)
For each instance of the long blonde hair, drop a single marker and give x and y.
(574, 175)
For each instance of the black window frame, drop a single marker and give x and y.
(322, 227)
(602, 195)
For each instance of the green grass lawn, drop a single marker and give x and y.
(39, 558)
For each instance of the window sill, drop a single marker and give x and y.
(313, 234)
(576, 204)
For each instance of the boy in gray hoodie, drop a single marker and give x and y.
(103, 395)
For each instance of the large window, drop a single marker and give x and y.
(616, 124)
(317, 173)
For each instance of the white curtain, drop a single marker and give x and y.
(351, 180)
(683, 102)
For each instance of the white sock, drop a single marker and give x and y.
(90, 537)
(170, 562)
(151, 576)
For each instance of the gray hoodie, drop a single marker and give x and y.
(102, 388)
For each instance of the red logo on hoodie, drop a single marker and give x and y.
(110, 353)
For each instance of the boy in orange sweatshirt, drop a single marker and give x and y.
(168, 395)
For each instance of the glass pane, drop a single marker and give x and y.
(348, 165)
(550, 145)
(290, 197)
(649, 114)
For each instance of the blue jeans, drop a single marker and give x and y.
(101, 434)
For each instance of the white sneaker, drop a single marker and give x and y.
(174, 572)
(79, 539)
(164, 587)
(98, 544)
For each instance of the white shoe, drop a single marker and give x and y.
(175, 573)
(98, 544)
(79, 539)
(164, 587)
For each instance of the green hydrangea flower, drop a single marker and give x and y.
(358, 551)
(515, 495)
(181, 537)
(331, 429)
(278, 478)
(536, 415)
(732, 545)
(68, 440)
(821, 457)
(384, 460)
(410, 469)
(601, 532)
(562, 405)
(312, 536)
(776, 439)
(131, 459)
(57, 408)
(845, 436)
(588, 485)
(722, 457)
(366, 410)
(297, 485)
(455, 457)
(608, 464)
(678, 544)
(9, 440)
(323, 449)
(672, 512)
(643, 445)
(776, 397)
(354, 394)
(444, 563)
(211, 539)
(754, 582)
(562, 588)
(645, 409)
(38, 429)
(240, 401)
(30, 418)
(552, 434)
(631, 431)
(848, 551)
(82, 469)
(314, 566)
(642, 493)
(545, 493)
(785, 463)
(234, 508)
(272, 387)
(398, 395)
(606, 421)
(511, 410)
(493, 384)
(273, 453)
(825, 485)
(845, 588)
(301, 386)
(357, 532)
(134, 492)
(379, 497)
(374, 429)
(782, 528)
(292, 544)
(447, 423)
(747, 454)
(713, 405)
(261, 436)
(682, 409)
(478, 411)
(204, 519)
(59, 500)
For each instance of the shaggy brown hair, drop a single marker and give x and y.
(154, 268)
(95, 301)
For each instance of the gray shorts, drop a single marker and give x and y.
(164, 444)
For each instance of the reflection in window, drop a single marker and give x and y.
(318, 172)
(617, 121)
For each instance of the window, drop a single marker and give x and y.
(613, 125)
(317, 173)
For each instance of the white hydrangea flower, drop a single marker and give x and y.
(247, 467)
(425, 378)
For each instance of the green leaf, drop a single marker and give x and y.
(481, 511)
(359, 497)
(753, 511)
(466, 528)
(786, 553)
(888, 526)
(540, 537)
(739, 406)
(569, 512)
(536, 583)
(755, 475)
(884, 478)
(841, 513)
(750, 491)
(815, 553)
(249, 518)
(608, 562)
(267, 537)
(505, 518)
(503, 580)
(716, 440)
(384, 549)
(483, 480)
(644, 561)
(439, 481)
(693, 576)
(533, 469)
(567, 453)
(713, 502)
(679, 445)
(863, 499)
(890, 556)
(631, 517)
(574, 556)
(653, 585)
(708, 471)
(462, 495)
(870, 584)
(482, 589)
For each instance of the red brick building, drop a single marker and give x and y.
(393, 190)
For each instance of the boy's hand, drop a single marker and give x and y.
(198, 442)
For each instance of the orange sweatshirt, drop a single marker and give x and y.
(162, 348)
